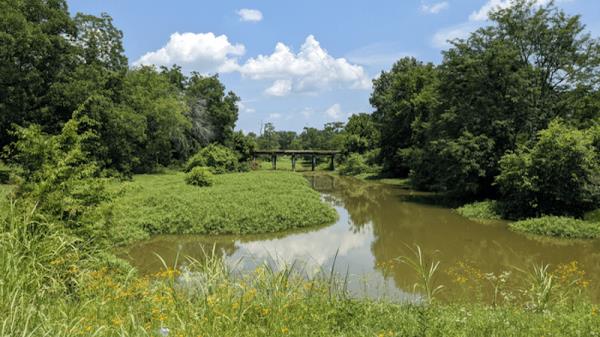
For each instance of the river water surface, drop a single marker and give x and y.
(377, 223)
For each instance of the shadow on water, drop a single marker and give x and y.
(376, 224)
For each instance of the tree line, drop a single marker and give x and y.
(56, 69)
(512, 112)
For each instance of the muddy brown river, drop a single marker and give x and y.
(377, 223)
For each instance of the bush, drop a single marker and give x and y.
(355, 164)
(482, 210)
(564, 227)
(199, 176)
(558, 176)
(218, 158)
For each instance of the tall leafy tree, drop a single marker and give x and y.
(403, 96)
(36, 56)
(497, 89)
(221, 108)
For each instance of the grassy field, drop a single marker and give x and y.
(238, 203)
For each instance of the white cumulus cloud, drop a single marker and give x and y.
(309, 70)
(250, 15)
(202, 52)
(434, 8)
(335, 112)
(279, 88)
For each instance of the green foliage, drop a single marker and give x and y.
(243, 145)
(403, 97)
(559, 175)
(482, 210)
(563, 227)
(58, 179)
(213, 112)
(199, 176)
(449, 125)
(36, 58)
(355, 164)
(239, 203)
(218, 158)
(457, 166)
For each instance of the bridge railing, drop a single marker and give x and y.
(294, 153)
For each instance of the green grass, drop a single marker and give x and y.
(562, 227)
(4, 202)
(481, 211)
(237, 203)
(49, 287)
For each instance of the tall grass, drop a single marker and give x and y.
(54, 284)
(425, 271)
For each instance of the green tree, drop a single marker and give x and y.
(501, 86)
(405, 95)
(269, 138)
(36, 56)
(362, 134)
(150, 95)
(559, 175)
(217, 110)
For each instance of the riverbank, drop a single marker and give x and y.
(209, 299)
(237, 203)
(551, 226)
(59, 285)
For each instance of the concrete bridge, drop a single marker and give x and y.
(298, 153)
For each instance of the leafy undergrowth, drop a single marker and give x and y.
(49, 287)
(238, 203)
(481, 211)
(557, 226)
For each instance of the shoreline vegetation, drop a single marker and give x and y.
(237, 203)
(489, 120)
(561, 227)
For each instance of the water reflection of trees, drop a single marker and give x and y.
(403, 217)
(362, 200)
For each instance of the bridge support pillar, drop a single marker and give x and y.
(274, 161)
(332, 165)
(293, 162)
(313, 162)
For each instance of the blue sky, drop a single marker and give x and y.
(298, 63)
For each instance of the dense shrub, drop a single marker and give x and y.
(218, 158)
(199, 176)
(557, 176)
(482, 210)
(355, 164)
(564, 227)
(58, 177)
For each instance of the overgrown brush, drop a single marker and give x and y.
(564, 227)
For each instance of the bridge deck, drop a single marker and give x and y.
(297, 152)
